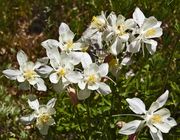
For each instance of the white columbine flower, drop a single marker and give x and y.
(92, 77)
(63, 65)
(118, 32)
(158, 120)
(42, 114)
(95, 31)
(65, 43)
(27, 72)
(148, 28)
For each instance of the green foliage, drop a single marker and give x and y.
(93, 118)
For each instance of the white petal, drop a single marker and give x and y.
(163, 127)
(136, 105)
(149, 23)
(152, 128)
(130, 24)
(103, 69)
(94, 86)
(34, 104)
(116, 47)
(154, 106)
(11, 74)
(40, 85)
(83, 94)
(45, 69)
(77, 46)
(126, 61)
(164, 112)
(74, 76)
(130, 128)
(86, 60)
(163, 98)
(20, 78)
(104, 88)
(28, 119)
(157, 32)
(112, 18)
(151, 45)
(50, 43)
(51, 103)
(54, 78)
(138, 16)
(170, 121)
(156, 136)
(21, 57)
(134, 47)
(124, 37)
(82, 84)
(65, 33)
(75, 57)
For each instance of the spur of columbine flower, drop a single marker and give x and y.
(42, 114)
(92, 78)
(27, 73)
(158, 120)
(118, 32)
(147, 29)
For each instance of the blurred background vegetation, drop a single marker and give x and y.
(24, 24)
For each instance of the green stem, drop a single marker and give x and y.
(119, 115)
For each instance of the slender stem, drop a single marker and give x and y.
(118, 115)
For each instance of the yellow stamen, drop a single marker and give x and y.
(61, 72)
(97, 23)
(69, 44)
(30, 74)
(44, 118)
(91, 79)
(156, 118)
(150, 32)
(120, 29)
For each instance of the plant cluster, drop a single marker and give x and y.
(82, 66)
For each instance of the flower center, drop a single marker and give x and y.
(97, 23)
(30, 74)
(156, 118)
(150, 32)
(91, 79)
(44, 118)
(61, 72)
(120, 29)
(69, 44)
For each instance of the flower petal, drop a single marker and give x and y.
(51, 103)
(86, 60)
(151, 45)
(130, 128)
(21, 57)
(138, 16)
(164, 112)
(134, 47)
(54, 78)
(103, 69)
(104, 88)
(136, 105)
(170, 121)
(163, 98)
(40, 85)
(81, 84)
(156, 136)
(163, 127)
(34, 104)
(12, 74)
(74, 76)
(28, 119)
